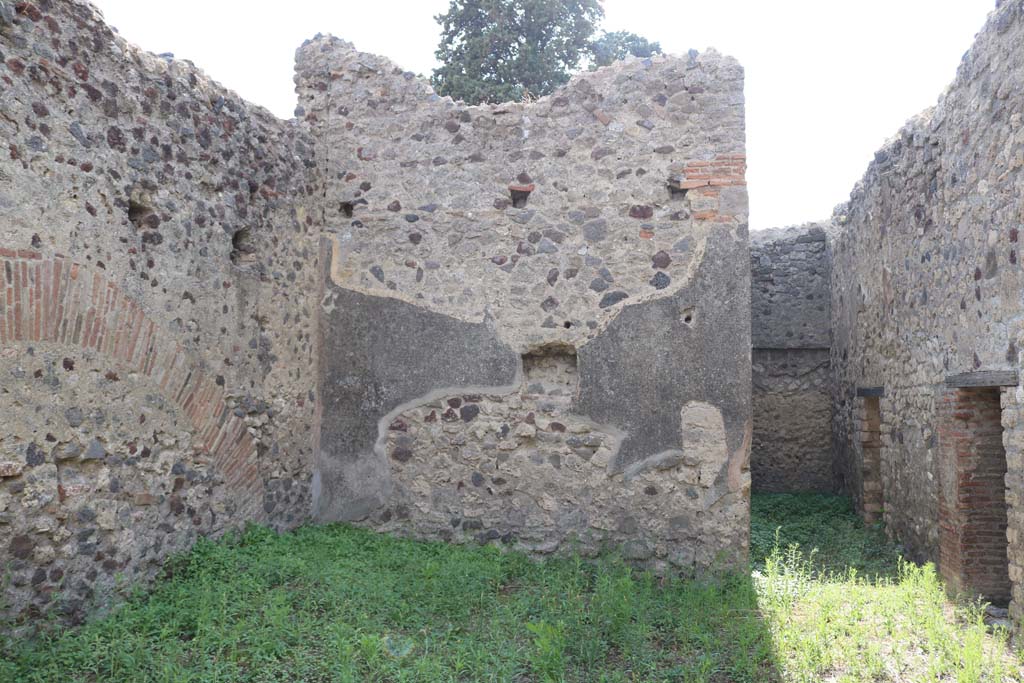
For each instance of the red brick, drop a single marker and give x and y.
(972, 531)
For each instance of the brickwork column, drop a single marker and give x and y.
(885, 440)
(972, 494)
(869, 436)
(1013, 445)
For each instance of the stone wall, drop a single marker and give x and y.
(518, 316)
(926, 284)
(790, 333)
(536, 316)
(158, 298)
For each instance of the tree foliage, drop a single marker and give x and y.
(620, 44)
(500, 50)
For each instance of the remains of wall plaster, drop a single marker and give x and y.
(597, 236)
(790, 335)
(926, 283)
(157, 300)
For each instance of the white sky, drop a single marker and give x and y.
(827, 82)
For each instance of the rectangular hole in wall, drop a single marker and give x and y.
(973, 516)
(872, 497)
(551, 372)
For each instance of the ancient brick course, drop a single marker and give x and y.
(972, 502)
(157, 298)
(537, 324)
(56, 301)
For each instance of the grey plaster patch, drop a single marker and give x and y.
(640, 371)
(383, 356)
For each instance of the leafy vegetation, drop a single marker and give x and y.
(342, 604)
(502, 50)
(841, 602)
(615, 45)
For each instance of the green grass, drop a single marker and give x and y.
(842, 605)
(827, 523)
(341, 604)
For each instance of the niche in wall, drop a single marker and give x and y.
(551, 372)
(243, 247)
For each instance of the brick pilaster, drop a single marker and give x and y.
(972, 494)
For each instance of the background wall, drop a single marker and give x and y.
(790, 334)
(158, 280)
(575, 366)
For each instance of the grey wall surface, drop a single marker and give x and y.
(158, 339)
(382, 355)
(790, 331)
(790, 297)
(168, 319)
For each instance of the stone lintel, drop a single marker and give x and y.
(983, 378)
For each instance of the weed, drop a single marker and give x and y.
(547, 657)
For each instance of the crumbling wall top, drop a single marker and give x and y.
(558, 210)
(374, 78)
